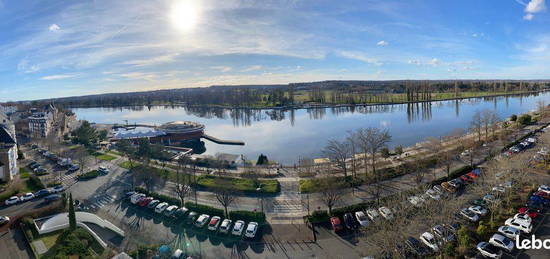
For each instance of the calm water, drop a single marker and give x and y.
(285, 136)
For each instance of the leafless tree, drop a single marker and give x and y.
(477, 124)
(542, 109)
(225, 197)
(353, 147)
(82, 157)
(182, 182)
(371, 140)
(305, 167)
(338, 152)
(331, 191)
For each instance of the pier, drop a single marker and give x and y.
(223, 142)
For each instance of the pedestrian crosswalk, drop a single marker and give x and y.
(101, 201)
(67, 179)
(288, 202)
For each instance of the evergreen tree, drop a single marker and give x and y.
(72, 215)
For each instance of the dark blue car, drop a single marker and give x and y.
(52, 197)
(538, 199)
(42, 192)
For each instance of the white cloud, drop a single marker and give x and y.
(54, 27)
(528, 17)
(223, 69)
(535, 6)
(434, 62)
(382, 43)
(359, 56)
(57, 77)
(252, 68)
(152, 61)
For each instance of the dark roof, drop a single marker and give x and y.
(5, 136)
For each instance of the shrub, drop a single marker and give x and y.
(385, 152)
(399, 150)
(88, 175)
(482, 229)
(464, 238)
(319, 216)
(513, 117)
(450, 250)
(34, 183)
(524, 119)
(204, 209)
(248, 216)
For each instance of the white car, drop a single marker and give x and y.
(489, 250)
(202, 220)
(251, 230)
(531, 140)
(238, 228)
(161, 207)
(169, 211)
(12, 200)
(134, 199)
(499, 189)
(438, 189)
(415, 201)
(103, 170)
(27, 196)
(373, 214)
(225, 226)
(433, 194)
(214, 223)
(443, 233)
(544, 188)
(478, 210)
(502, 242)
(523, 217)
(490, 198)
(58, 188)
(520, 224)
(470, 215)
(429, 240)
(509, 232)
(361, 218)
(386, 213)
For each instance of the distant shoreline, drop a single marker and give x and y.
(309, 105)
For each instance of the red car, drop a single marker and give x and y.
(466, 178)
(543, 195)
(531, 213)
(336, 224)
(472, 175)
(145, 201)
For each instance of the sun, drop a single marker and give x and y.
(184, 14)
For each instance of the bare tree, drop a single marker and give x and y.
(225, 197)
(477, 124)
(338, 152)
(82, 157)
(182, 184)
(331, 191)
(353, 147)
(371, 140)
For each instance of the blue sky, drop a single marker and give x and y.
(54, 48)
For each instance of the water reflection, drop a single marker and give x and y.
(285, 134)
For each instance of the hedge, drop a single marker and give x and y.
(88, 175)
(204, 209)
(319, 216)
(35, 183)
(239, 184)
(248, 216)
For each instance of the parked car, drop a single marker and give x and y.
(489, 250)
(534, 205)
(169, 211)
(498, 189)
(524, 217)
(74, 168)
(361, 218)
(489, 198)
(386, 213)
(52, 197)
(542, 195)
(252, 229)
(466, 179)
(453, 227)
(438, 189)
(192, 217)
(539, 199)
(433, 194)
(42, 192)
(145, 201)
(103, 170)
(161, 207)
(373, 214)
(479, 202)
(468, 214)
(225, 226)
(455, 183)
(509, 232)
(12, 200)
(416, 201)
(39, 170)
(214, 223)
(134, 199)
(544, 188)
(58, 188)
(349, 221)
(181, 212)
(153, 204)
(238, 228)
(520, 224)
(416, 247)
(478, 210)
(429, 240)
(27, 196)
(531, 213)
(202, 220)
(501, 241)
(336, 224)
(4, 220)
(443, 233)
(448, 187)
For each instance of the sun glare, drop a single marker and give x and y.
(184, 14)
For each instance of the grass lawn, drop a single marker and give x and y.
(24, 173)
(106, 157)
(245, 185)
(50, 238)
(114, 152)
(126, 165)
(313, 185)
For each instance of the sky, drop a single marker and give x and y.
(55, 48)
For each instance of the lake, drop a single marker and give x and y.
(286, 135)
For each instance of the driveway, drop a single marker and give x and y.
(13, 245)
